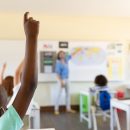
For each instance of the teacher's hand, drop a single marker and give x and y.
(62, 83)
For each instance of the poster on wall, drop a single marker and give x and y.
(88, 61)
(63, 45)
(115, 68)
(47, 61)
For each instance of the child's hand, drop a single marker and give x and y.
(4, 65)
(31, 26)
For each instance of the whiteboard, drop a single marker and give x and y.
(102, 57)
(13, 52)
(110, 62)
(87, 64)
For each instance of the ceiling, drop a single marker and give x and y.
(69, 7)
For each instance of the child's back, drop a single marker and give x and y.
(101, 92)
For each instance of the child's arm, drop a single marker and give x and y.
(2, 72)
(29, 75)
(18, 72)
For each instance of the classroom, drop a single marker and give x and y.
(64, 65)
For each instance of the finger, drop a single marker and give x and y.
(30, 19)
(26, 17)
(38, 22)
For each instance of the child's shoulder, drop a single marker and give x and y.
(104, 88)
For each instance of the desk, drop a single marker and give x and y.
(123, 105)
(34, 117)
(43, 129)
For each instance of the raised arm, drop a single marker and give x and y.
(29, 75)
(2, 72)
(17, 76)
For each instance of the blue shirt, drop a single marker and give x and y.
(10, 120)
(62, 69)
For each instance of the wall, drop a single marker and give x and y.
(66, 28)
(44, 96)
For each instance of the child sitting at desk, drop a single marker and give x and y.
(100, 91)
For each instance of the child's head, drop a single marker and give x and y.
(3, 99)
(8, 84)
(100, 80)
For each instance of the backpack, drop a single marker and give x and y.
(104, 100)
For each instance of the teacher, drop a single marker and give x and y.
(62, 71)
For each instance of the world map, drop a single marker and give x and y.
(88, 56)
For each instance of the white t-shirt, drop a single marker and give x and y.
(15, 91)
(95, 90)
(98, 88)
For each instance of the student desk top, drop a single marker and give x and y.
(43, 129)
(123, 105)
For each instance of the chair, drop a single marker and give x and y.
(86, 116)
(97, 111)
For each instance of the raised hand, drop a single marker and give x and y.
(29, 72)
(4, 65)
(31, 26)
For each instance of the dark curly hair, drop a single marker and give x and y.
(101, 80)
(8, 84)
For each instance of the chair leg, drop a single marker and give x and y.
(104, 117)
(94, 118)
(81, 111)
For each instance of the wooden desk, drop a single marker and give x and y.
(43, 129)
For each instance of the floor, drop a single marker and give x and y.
(66, 121)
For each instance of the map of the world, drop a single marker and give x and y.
(88, 56)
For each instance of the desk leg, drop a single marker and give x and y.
(117, 120)
(112, 119)
(81, 104)
(128, 119)
(89, 113)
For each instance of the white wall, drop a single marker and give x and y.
(44, 96)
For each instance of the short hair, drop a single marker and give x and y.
(8, 84)
(58, 54)
(101, 80)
